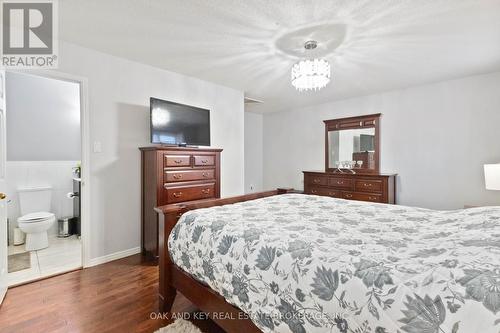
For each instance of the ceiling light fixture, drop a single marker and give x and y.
(311, 74)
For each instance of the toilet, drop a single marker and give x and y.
(36, 218)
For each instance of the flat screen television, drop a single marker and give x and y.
(367, 142)
(179, 124)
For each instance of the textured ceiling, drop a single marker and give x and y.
(373, 45)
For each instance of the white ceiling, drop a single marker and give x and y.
(373, 45)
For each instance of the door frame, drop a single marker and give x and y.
(85, 150)
(4, 261)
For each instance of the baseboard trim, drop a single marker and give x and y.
(114, 256)
(3, 291)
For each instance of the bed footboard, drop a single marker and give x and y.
(173, 279)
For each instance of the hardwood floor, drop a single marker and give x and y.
(115, 297)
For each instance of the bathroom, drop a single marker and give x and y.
(42, 176)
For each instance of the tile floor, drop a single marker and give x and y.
(63, 254)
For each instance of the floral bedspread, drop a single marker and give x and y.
(303, 263)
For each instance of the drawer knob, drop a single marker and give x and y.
(204, 161)
(314, 192)
(177, 194)
(205, 191)
(372, 198)
(177, 176)
(367, 185)
(340, 182)
(205, 174)
(348, 195)
(331, 193)
(178, 161)
(316, 181)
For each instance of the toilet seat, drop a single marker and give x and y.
(35, 226)
(36, 217)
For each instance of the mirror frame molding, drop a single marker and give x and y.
(366, 121)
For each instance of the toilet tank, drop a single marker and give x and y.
(35, 199)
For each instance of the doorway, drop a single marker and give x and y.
(45, 175)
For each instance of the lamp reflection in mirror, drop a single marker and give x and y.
(159, 118)
(492, 176)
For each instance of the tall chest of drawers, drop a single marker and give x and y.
(373, 187)
(174, 175)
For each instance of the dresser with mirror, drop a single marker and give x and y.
(352, 163)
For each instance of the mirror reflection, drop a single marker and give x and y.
(353, 148)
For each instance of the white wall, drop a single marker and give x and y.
(55, 174)
(253, 152)
(436, 137)
(119, 92)
(44, 125)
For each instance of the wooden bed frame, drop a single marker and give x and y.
(173, 279)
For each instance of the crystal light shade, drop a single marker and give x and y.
(311, 74)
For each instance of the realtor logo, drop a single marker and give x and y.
(29, 34)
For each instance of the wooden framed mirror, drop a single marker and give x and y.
(353, 143)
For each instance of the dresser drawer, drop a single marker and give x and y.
(177, 160)
(338, 182)
(204, 160)
(188, 193)
(316, 180)
(368, 185)
(362, 196)
(172, 176)
(355, 186)
(324, 191)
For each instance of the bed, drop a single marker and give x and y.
(304, 263)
